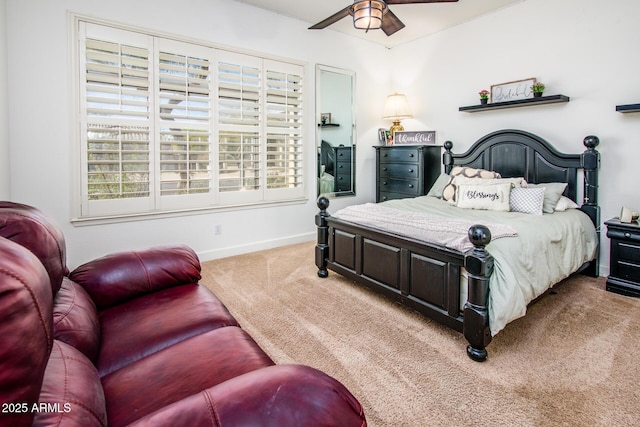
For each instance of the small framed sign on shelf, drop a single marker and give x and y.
(423, 137)
(511, 91)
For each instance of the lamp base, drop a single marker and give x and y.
(395, 127)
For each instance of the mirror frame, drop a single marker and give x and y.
(319, 70)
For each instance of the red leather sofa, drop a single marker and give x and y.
(133, 339)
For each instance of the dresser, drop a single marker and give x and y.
(344, 167)
(624, 261)
(406, 170)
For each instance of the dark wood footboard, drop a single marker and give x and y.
(421, 276)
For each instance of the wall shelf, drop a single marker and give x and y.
(628, 108)
(551, 99)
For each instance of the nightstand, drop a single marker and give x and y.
(406, 170)
(624, 263)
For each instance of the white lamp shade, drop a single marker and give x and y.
(396, 107)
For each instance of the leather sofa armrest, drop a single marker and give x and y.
(122, 276)
(279, 395)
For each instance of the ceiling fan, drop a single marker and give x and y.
(372, 14)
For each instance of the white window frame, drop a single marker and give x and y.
(87, 210)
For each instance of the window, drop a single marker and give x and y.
(167, 125)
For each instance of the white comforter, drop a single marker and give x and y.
(546, 249)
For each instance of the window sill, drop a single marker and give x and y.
(114, 219)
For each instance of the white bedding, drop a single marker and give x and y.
(546, 249)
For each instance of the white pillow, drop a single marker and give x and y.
(527, 200)
(553, 192)
(438, 187)
(565, 203)
(488, 197)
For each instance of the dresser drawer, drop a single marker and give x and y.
(404, 155)
(385, 195)
(343, 182)
(409, 187)
(399, 170)
(343, 154)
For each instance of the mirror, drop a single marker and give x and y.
(335, 133)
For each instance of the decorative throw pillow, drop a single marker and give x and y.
(553, 192)
(438, 187)
(527, 200)
(489, 197)
(449, 192)
(517, 182)
(565, 203)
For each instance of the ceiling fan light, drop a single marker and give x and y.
(367, 14)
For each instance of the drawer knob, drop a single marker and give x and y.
(627, 235)
(384, 169)
(384, 182)
(410, 170)
(411, 155)
(410, 185)
(385, 155)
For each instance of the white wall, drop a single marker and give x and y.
(40, 133)
(585, 49)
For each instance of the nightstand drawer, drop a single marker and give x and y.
(628, 271)
(409, 187)
(399, 170)
(628, 252)
(617, 234)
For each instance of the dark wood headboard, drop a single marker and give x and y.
(515, 153)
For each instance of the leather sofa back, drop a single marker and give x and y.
(37, 232)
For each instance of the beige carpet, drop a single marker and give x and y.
(574, 360)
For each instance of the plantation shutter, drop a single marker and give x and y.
(115, 120)
(184, 121)
(284, 167)
(239, 128)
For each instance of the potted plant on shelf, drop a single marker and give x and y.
(537, 88)
(484, 96)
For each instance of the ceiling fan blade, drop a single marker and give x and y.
(332, 19)
(391, 23)
(418, 1)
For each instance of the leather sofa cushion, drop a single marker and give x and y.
(25, 329)
(37, 232)
(71, 393)
(75, 319)
(122, 276)
(179, 371)
(281, 395)
(145, 325)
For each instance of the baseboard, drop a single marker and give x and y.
(255, 246)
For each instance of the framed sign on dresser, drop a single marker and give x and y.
(406, 170)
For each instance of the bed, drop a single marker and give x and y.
(467, 281)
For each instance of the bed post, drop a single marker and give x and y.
(322, 245)
(590, 162)
(447, 157)
(479, 265)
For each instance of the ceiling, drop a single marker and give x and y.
(421, 19)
